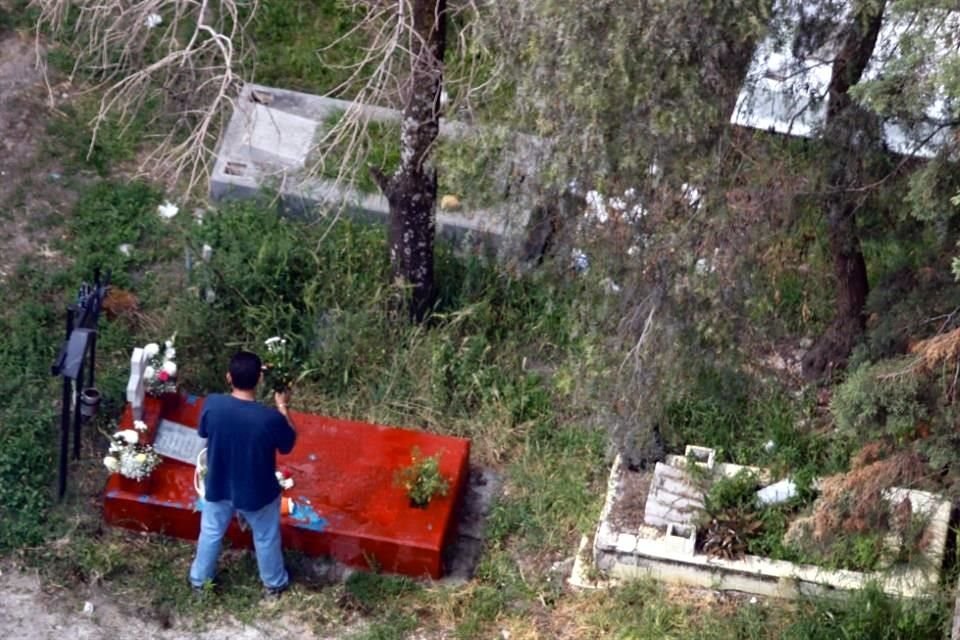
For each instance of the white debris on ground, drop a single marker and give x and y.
(168, 210)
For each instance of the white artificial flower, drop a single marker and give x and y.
(596, 206)
(691, 194)
(139, 425)
(125, 249)
(151, 349)
(112, 464)
(140, 457)
(168, 344)
(153, 20)
(149, 372)
(170, 367)
(168, 210)
(128, 435)
(272, 341)
(609, 286)
(169, 353)
(287, 483)
(279, 476)
(637, 211)
(581, 263)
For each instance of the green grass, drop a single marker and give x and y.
(70, 134)
(643, 610)
(288, 36)
(728, 411)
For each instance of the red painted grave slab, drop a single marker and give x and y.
(347, 504)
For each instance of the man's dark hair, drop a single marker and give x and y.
(245, 370)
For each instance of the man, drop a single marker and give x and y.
(243, 437)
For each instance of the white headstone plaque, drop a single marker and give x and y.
(178, 441)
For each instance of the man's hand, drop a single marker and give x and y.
(282, 399)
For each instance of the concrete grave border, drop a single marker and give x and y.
(648, 552)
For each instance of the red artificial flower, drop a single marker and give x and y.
(163, 376)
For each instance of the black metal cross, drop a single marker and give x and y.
(79, 345)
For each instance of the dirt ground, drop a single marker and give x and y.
(32, 195)
(28, 613)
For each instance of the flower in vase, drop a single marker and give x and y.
(159, 374)
(127, 435)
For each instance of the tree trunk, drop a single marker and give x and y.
(412, 190)
(848, 137)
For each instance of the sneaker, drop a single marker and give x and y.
(274, 593)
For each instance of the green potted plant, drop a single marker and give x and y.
(422, 479)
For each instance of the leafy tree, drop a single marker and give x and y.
(645, 102)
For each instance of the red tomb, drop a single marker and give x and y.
(347, 505)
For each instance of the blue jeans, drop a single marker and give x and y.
(265, 526)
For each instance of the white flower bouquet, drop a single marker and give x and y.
(128, 456)
(279, 365)
(160, 375)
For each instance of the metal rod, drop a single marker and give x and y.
(64, 420)
(77, 414)
(91, 382)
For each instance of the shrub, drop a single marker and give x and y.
(878, 400)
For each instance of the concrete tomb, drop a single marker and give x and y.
(663, 545)
(273, 134)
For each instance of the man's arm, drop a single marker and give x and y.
(289, 438)
(202, 429)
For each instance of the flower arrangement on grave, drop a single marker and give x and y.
(284, 478)
(279, 365)
(128, 456)
(160, 374)
(422, 479)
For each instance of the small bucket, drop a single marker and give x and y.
(89, 402)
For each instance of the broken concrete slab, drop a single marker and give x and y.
(673, 497)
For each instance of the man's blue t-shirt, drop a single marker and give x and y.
(243, 437)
